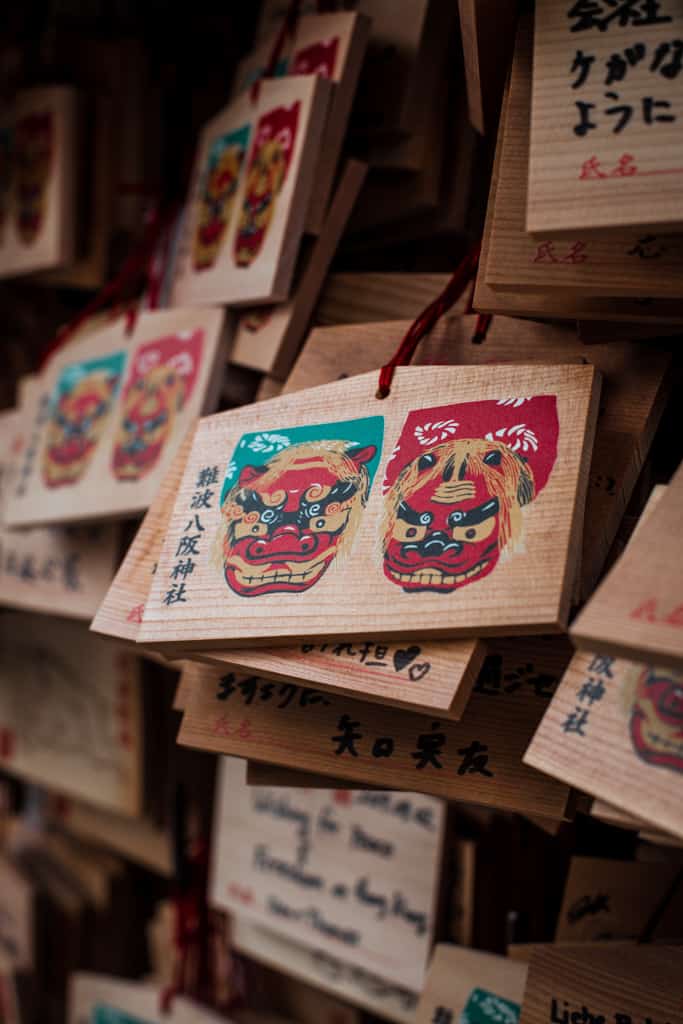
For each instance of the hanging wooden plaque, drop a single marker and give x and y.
(120, 613)
(606, 145)
(70, 712)
(247, 206)
(268, 338)
(634, 391)
(353, 983)
(613, 729)
(616, 899)
(103, 999)
(620, 263)
(108, 421)
(508, 447)
(54, 567)
(468, 985)
(637, 611)
(478, 759)
(614, 983)
(352, 874)
(564, 304)
(38, 181)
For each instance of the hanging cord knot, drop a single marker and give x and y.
(423, 324)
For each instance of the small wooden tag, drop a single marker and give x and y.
(240, 243)
(478, 759)
(637, 611)
(110, 414)
(617, 983)
(466, 984)
(70, 714)
(628, 262)
(39, 197)
(615, 899)
(352, 874)
(386, 502)
(606, 144)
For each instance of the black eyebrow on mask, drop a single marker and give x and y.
(408, 514)
(475, 515)
(250, 500)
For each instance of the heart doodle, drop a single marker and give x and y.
(405, 655)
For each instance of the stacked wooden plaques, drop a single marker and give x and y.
(573, 229)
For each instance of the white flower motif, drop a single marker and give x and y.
(268, 444)
(518, 438)
(514, 402)
(440, 430)
(231, 470)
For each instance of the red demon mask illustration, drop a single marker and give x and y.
(75, 428)
(455, 505)
(285, 521)
(34, 144)
(316, 59)
(268, 166)
(162, 378)
(656, 717)
(216, 200)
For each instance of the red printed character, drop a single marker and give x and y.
(34, 144)
(456, 486)
(654, 702)
(161, 380)
(316, 59)
(268, 166)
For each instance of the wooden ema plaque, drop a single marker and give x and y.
(331, 46)
(606, 147)
(247, 205)
(52, 567)
(627, 263)
(468, 985)
(103, 999)
(355, 875)
(267, 338)
(111, 413)
(38, 181)
(353, 983)
(632, 399)
(507, 446)
(616, 899)
(70, 714)
(563, 304)
(120, 613)
(613, 729)
(430, 676)
(623, 984)
(478, 759)
(637, 611)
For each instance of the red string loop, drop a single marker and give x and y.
(133, 266)
(464, 273)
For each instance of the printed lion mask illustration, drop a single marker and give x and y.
(456, 487)
(34, 146)
(148, 417)
(75, 427)
(286, 520)
(450, 513)
(653, 698)
(215, 205)
(266, 175)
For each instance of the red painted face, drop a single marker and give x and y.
(657, 718)
(450, 513)
(287, 520)
(316, 59)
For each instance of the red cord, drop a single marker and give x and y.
(427, 318)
